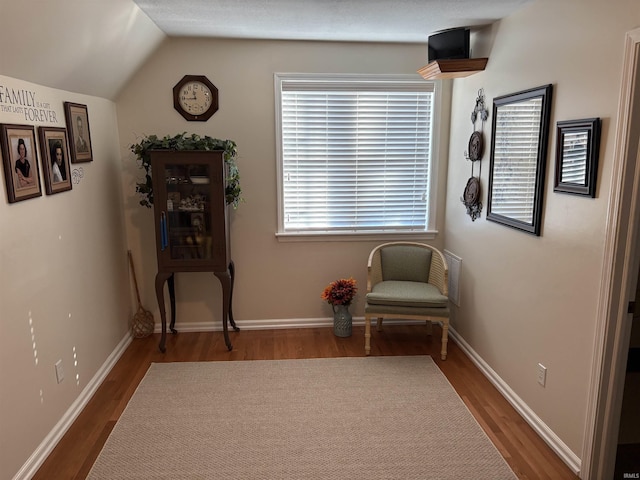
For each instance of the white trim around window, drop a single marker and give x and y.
(357, 156)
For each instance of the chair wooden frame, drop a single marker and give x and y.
(438, 276)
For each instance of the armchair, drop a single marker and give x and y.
(407, 280)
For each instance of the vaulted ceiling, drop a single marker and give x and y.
(333, 20)
(94, 47)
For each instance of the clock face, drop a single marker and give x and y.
(195, 97)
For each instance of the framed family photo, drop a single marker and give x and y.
(20, 161)
(77, 118)
(54, 152)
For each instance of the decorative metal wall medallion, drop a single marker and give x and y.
(471, 198)
(476, 146)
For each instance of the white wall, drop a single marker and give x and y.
(74, 45)
(64, 288)
(528, 299)
(524, 299)
(275, 280)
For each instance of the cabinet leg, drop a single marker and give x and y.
(161, 278)
(232, 271)
(225, 280)
(172, 299)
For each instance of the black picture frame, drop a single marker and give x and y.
(77, 117)
(54, 151)
(22, 176)
(577, 152)
(519, 140)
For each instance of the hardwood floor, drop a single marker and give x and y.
(524, 451)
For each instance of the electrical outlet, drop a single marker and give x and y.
(542, 374)
(59, 371)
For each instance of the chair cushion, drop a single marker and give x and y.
(405, 262)
(406, 294)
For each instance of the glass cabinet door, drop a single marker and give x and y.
(187, 228)
(190, 210)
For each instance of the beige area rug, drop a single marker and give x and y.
(336, 418)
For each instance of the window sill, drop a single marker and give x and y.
(354, 236)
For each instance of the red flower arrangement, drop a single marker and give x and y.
(340, 292)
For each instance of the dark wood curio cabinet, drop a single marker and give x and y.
(192, 227)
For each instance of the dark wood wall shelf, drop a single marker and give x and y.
(457, 68)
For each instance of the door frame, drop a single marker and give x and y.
(619, 278)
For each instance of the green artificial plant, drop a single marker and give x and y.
(183, 141)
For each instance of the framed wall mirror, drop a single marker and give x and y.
(577, 149)
(518, 157)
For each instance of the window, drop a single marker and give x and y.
(355, 154)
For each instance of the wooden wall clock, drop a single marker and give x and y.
(195, 98)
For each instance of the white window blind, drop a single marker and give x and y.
(355, 155)
(515, 159)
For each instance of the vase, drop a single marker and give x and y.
(341, 321)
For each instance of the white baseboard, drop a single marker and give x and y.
(270, 324)
(541, 428)
(45, 448)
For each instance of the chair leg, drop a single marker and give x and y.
(445, 339)
(429, 327)
(379, 324)
(367, 334)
